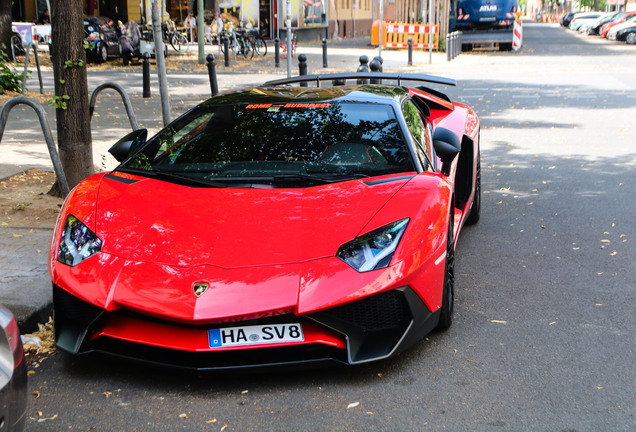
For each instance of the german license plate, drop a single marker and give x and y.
(255, 335)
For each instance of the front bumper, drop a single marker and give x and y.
(365, 330)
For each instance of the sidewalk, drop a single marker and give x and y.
(25, 287)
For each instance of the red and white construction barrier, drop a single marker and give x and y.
(517, 36)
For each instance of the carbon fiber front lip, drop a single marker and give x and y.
(72, 334)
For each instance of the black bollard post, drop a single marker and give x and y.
(410, 45)
(364, 67)
(277, 52)
(226, 47)
(145, 67)
(214, 86)
(375, 66)
(380, 61)
(302, 67)
(449, 47)
(324, 52)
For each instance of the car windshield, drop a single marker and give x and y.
(270, 143)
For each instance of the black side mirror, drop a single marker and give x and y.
(447, 146)
(129, 144)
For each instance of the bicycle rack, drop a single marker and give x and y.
(27, 49)
(111, 85)
(46, 129)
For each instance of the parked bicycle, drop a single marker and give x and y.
(256, 40)
(283, 47)
(177, 39)
(237, 42)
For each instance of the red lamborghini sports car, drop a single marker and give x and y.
(274, 225)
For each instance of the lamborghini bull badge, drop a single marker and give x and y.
(200, 288)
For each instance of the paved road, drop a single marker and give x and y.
(544, 333)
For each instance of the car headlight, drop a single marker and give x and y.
(77, 242)
(375, 249)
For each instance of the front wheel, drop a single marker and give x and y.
(16, 43)
(103, 53)
(448, 294)
(631, 39)
(260, 46)
(179, 42)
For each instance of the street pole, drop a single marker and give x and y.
(161, 63)
(381, 28)
(430, 32)
(200, 31)
(289, 38)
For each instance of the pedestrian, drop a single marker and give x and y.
(44, 18)
(191, 26)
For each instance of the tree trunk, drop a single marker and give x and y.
(5, 26)
(71, 90)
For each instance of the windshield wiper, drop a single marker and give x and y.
(187, 180)
(172, 176)
(331, 178)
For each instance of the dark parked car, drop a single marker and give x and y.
(102, 35)
(13, 375)
(567, 18)
(627, 34)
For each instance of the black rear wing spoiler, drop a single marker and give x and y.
(373, 77)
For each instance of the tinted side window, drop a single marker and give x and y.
(419, 131)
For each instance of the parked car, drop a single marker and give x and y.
(628, 17)
(13, 375)
(102, 35)
(566, 18)
(594, 28)
(583, 18)
(273, 225)
(612, 33)
(627, 34)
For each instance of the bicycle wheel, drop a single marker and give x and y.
(260, 46)
(232, 46)
(16, 43)
(179, 42)
(246, 49)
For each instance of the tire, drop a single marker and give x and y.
(16, 43)
(631, 39)
(505, 46)
(448, 296)
(260, 46)
(102, 54)
(179, 42)
(247, 50)
(475, 211)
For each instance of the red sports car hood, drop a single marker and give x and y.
(154, 221)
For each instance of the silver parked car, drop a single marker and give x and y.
(13, 375)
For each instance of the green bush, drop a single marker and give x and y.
(10, 78)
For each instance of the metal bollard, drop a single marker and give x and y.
(364, 67)
(277, 52)
(380, 61)
(449, 47)
(302, 67)
(410, 45)
(324, 52)
(375, 66)
(214, 86)
(226, 47)
(145, 68)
